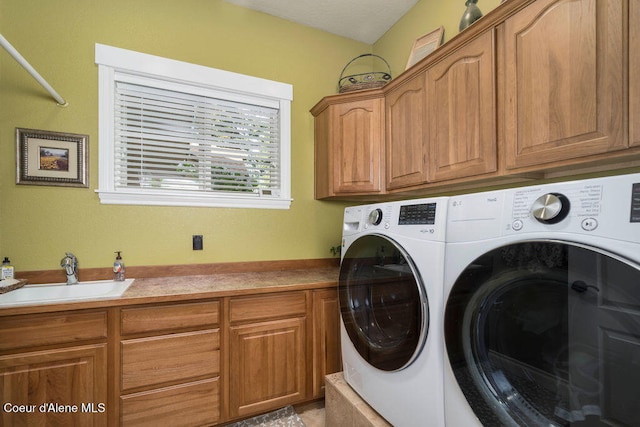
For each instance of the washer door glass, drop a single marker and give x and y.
(382, 302)
(547, 333)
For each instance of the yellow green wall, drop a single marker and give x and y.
(38, 224)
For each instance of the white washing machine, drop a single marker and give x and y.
(542, 305)
(390, 292)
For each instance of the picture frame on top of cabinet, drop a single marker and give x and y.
(51, 158)
(424, 45)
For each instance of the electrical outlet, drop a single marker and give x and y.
(197, 242)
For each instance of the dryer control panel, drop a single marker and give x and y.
(607, 207)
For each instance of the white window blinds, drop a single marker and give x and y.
(180, 141)
(179, 134)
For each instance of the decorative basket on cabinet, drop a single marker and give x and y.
(361, 81)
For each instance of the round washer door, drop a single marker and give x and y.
(382, 301)
(547, 333)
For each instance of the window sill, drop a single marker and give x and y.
(186, 198)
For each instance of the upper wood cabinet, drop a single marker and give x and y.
(461, 112)
(349, 134)
(564, 81)
(634, 65)
(535, 89)
(406, 134)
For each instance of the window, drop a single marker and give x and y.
(174, 133)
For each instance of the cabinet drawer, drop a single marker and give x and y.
(169, 358)
(267, 307)
(192, 404)
(174, 316)
(47, 329)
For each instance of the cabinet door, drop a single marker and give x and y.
(462, 113)
(357, 146)
(564, 81)
(326, 337)
(323, 160)
(72, 382)
(634, 65)
(267, 363)
(406, 159)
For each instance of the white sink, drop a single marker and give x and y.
(55, 293)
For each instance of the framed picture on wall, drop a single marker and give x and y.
(424, 45)
(51, 158)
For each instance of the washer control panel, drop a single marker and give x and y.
(409, 214)
(424, 214)
(423, 219)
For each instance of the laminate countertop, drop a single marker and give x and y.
(183, 288)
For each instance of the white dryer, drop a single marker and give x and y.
(390, 292)
(542, 305)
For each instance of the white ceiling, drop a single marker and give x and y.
(362, 20)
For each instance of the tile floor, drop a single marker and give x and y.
(312, 414)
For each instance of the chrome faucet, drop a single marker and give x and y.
(70, 264)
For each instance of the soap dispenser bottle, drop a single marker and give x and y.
(118, 268)
(7, 269)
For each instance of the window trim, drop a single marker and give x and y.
(113, 62)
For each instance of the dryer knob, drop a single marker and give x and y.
(551, 208)
(375, 216)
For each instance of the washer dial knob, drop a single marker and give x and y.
(375, 216)
(551, 208)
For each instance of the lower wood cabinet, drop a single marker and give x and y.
(326, 337)
(267, 352)
(267, 365)
(209, 362)
(179, 364)
(170, 364)
(53, 369)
